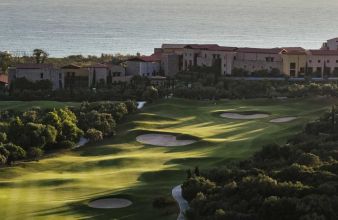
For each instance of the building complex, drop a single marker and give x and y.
(171, 59)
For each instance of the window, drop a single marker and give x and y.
(60, 76)
(292, 65)
(302, 70)
(328, 61)
(269, 59)
(292, 72)
(319, 61)
(319, 69)
(41, 75)
(336, 61)
(310, 61)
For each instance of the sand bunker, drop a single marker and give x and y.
(165, 140)
(244, 116)
(284, 119)
(110, 203)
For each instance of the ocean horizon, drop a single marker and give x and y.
(92, 27)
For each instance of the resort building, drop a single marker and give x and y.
(257, 59)
(3, 80)
(117, 74)
(36, 72)
(144, 65)
(322, 63)
(294, 61)
(75, 77)
(98, 74)
(171, 58)
(331, 44)
(209, 55)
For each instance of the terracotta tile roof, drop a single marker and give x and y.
(294, 51)
(324, 52)
(98, 65)
(210, 47)
(259, 50)
(34, 66)
(4, 78)
(202, 46)
(173, 46)
(71, 66)
(156, 57)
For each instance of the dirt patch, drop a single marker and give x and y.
(283, 120)
(165, 140)
(110, 203)
(244, 115)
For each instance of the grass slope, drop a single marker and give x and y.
(61, 187)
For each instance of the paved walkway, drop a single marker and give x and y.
(83, 141)
(183, 204)
(140, 105)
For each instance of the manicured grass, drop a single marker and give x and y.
(60, 187)
(22, 106)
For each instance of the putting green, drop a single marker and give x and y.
(61, 186)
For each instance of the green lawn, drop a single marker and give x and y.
(59, 187)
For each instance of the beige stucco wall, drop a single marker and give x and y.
(299, 60)
(257, 61)
(101, 74)
(315, 61)
(332, 44)
(54, 75)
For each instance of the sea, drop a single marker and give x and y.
(93, 27)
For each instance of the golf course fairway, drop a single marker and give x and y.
(62, 185)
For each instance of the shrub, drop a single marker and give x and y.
(163, 202)
(35, 153)
(66, 144)
(150, 94)
(94, 135)
(15, 153)
(3, 137)
(309, 159)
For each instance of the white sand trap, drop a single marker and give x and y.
(165, 140)
(282, 120)
(110, 203)
(244, 116)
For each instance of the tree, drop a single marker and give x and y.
(131, 106)
(94, 135)
(3, 137)
(40, 55)
(35, 153)
(15, 153)
(53, 119)
(70, 131)
(150, 94)
(5, 59)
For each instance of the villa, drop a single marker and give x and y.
(144, 65)
(36, 72)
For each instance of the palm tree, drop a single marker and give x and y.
(40, 55)
(5, 59)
